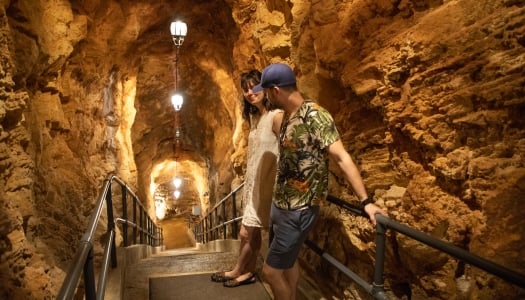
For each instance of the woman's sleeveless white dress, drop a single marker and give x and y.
(260, 172)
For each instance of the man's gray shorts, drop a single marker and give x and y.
(290, 229)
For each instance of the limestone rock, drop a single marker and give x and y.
(427, 95)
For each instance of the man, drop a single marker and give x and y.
(307, 138)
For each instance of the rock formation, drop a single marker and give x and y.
(428, 96)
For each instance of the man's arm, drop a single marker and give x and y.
(344, 161)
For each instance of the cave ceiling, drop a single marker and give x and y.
(190, 71)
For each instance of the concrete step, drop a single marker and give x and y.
(171, 263)
(199, 286)
(159, 274)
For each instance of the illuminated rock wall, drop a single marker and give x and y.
(427, 95)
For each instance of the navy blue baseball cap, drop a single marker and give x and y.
(277, 74)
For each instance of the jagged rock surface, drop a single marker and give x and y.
(428, 96)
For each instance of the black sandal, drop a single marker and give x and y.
(235, 283)
(220, 277)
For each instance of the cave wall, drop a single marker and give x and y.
(428, 97)
(41, 176)
(85, 93)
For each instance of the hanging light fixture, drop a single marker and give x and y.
(176, 101)
(178, 32)
(177, 182)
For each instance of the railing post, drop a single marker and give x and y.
(89, 277)
(234, 212)
(159, 236)
(201, 231)
(134, 220)
(153, 234)
(141, 222)
(146, 228)
(209, 232)
(197, 232)
(150, 231)
(111, 226)
(125, 214)
(378, 288)
(213, 224)
(206, 228)
(223, 227)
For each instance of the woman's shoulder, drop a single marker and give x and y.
(276, 111)
(276, 114)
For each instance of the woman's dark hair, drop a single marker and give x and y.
(248, 80)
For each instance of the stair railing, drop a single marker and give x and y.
(222, 216)
(376, 289)
(217, 220)
(143, 228)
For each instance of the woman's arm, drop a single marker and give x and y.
(277, 121)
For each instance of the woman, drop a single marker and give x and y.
(264, 125)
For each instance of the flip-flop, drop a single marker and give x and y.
(234, 283)
(220, 277)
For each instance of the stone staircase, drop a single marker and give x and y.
(150, 273)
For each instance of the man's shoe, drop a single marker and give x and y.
(234, 283)
(220, 277)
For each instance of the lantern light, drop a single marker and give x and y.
(176, 101)
(178, 31)
(177, 182)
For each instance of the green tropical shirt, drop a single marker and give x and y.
(302, 174)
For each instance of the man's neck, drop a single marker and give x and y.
(295, 100)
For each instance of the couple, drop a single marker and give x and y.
(306, 136)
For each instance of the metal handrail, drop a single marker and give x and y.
(210, 226)
(231, 194)
(226, 223)
(376, 288)
(452, 250)
(149, 233)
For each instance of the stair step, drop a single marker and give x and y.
(199, 286)
(185, 273)
(171, 263)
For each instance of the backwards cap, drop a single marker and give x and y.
(277, 74)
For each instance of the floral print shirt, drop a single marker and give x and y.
(302, 174)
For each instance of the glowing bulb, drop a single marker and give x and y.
(176, 101)
(178, 28)
(160, 210)
(177, 182)
(176, 194)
